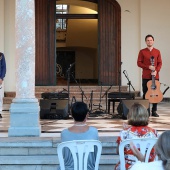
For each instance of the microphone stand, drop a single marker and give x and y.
(82, 92)
(106, 93)
(129, 82)
(165, 89)
(68, 85)
(119, 108)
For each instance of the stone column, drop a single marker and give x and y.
(24, 110)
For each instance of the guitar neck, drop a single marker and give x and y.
(153, 77)
(153, 80)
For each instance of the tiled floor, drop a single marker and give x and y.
(106, 124)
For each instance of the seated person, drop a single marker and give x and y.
(137, 127)
(79, 131)
(162, 148)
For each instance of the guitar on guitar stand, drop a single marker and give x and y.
(154, 95)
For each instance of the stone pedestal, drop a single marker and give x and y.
(24, 118)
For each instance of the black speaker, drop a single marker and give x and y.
(53, 109)
(125, 105)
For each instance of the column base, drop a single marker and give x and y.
(21, 132)
(24, 119)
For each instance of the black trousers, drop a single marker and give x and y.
(145, 89)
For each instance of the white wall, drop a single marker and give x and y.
(154, 20)
(2, 26)
(9, 44)
(130, 38)
(139, 18)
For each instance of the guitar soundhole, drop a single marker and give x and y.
(153, 87)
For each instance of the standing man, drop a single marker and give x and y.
(2, 75)
(147, 69)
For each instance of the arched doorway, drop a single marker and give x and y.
(108, 52)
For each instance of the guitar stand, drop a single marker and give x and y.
(106, 93)
(98, 110)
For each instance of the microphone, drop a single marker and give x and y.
(71, 65)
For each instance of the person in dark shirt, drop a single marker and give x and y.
(2, 76)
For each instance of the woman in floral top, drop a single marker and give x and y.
(138, 119)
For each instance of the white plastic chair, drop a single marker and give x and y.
(145, 145)
(80, 150)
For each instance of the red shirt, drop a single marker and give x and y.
(144, 62)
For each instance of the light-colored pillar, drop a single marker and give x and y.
(24, 110)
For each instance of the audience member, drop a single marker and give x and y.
(79, 131)
(137, 127)
(162, 149)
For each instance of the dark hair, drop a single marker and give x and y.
(138, 115)
(162, 148)
(149, 35)
(79, 111)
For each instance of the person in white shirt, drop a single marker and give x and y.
(162, 148)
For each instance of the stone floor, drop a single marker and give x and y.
(106, 124)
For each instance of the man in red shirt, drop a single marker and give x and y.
(147, 69)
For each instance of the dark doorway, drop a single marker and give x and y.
(65, 59)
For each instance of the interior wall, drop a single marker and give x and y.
(85, 61)
(82, 32)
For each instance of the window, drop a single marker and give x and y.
(61, 23)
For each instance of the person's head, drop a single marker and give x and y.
(149, 39)
(79, 111)
(138, 115)
(162, 148)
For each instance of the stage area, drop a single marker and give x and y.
(106, 124)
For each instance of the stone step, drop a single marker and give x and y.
(24, 153)
(74, 92)
(77, 88)
(107, 162)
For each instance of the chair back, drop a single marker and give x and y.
(145, 145)
(80, 150)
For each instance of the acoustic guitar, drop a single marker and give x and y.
(154, 95)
